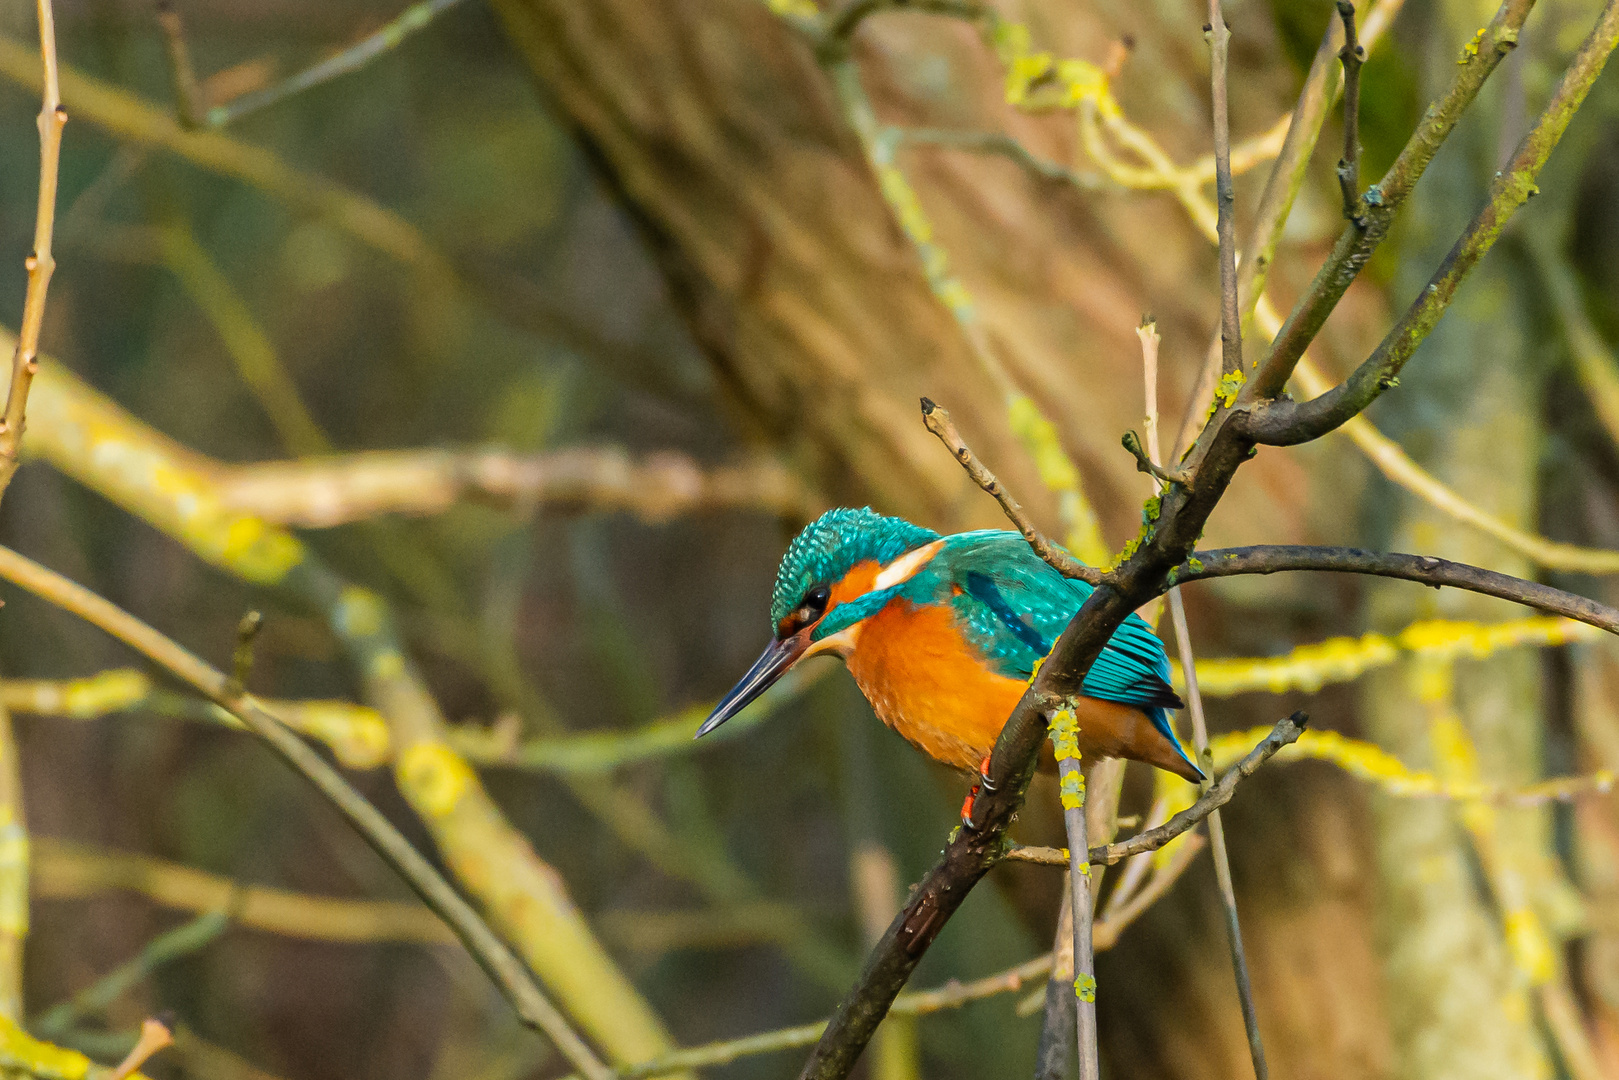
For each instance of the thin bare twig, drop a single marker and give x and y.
(1222, 861)
(351, 59)
(951, 995)
(1148, 333)
(1353, 57)
(507, 972)
(155, 1035)
(1224, 195)
(938, 421)
(40, 264)
(188, 96)
(95, 999)
(995, 142)
(1146, 461)
(1286, 732)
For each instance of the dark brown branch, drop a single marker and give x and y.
(1225, 197)
(1424, 569)
(1286, 422)
(938, 421)
(1361, 238)
(1353, 57)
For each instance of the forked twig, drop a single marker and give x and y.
(40, 264)
(938, 421)
(351, 59)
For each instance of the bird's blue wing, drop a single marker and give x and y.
(1011, 607)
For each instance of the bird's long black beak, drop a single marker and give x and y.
(771, 665)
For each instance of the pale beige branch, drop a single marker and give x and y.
(64, 871)
(40, 264)
(323, 492)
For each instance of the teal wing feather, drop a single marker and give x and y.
(1011, 607)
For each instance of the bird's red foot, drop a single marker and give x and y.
(972, 796)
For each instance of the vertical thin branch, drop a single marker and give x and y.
(1054, 1057)
(1065, 740)
(188, 96)
(1148, 332)
(1225, 197)
(1222, 864)
(13, 874)
(1352, 56)
(40, 264)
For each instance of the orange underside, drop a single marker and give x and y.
(924, 681)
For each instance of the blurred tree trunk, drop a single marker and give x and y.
(1459, 1006)
(723, 138)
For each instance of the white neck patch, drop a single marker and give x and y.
(906, 566)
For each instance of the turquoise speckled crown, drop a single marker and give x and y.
(835, 542)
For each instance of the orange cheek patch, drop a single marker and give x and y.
(856, 583)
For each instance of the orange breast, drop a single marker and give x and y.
(926, 683)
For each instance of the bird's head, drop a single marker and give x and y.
(838, 572)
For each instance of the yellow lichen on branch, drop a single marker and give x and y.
(90, 438)
(22, 1053)
(1344, 659)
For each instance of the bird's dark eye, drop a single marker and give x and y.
(809, 610)
(815, 601)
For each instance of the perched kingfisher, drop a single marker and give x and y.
(942, 633)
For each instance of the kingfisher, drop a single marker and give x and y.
(943, 633)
